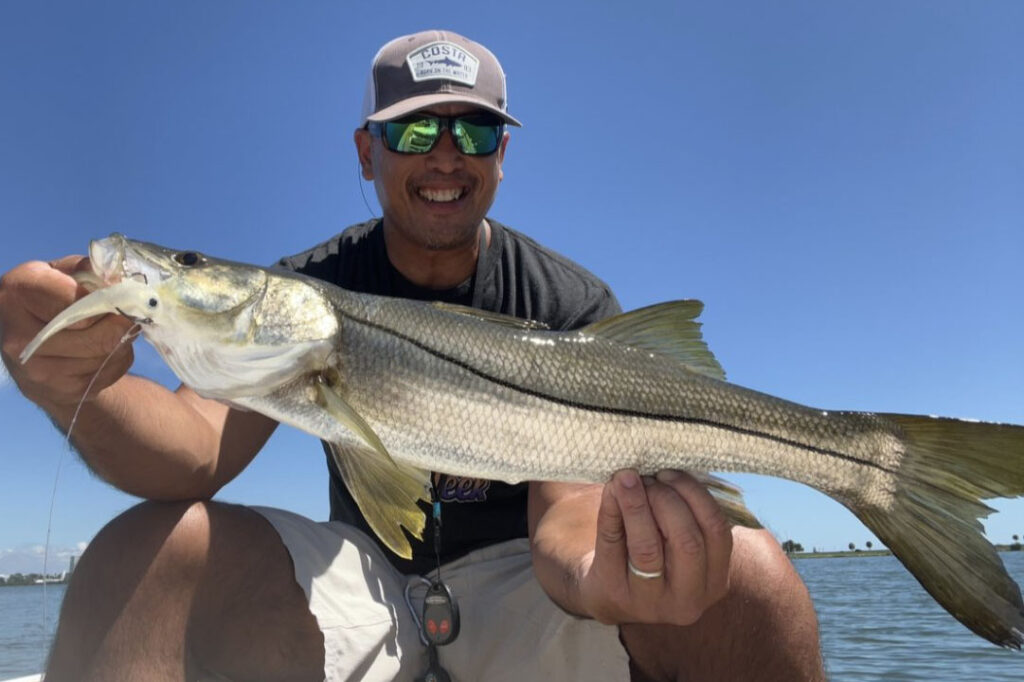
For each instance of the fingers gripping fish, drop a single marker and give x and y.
(400, 388)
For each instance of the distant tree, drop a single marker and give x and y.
(789, 547)
(1016, 537)
(868, 544)
(852, 546)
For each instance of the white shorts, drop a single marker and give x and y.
(510, 629)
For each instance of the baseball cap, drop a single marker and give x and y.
(433, 67)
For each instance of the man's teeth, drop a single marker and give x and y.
(441, 195)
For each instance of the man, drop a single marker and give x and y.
(183, 588)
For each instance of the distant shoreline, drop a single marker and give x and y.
(839, 554)
(28, 581)
(49, 583)
(2, 586)
(866, 553)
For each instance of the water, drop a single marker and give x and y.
(22, 642)
(876, 624)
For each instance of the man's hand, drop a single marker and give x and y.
(57, 375)
(586, 537)
(672, 532)
(134, 433)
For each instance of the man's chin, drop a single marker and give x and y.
(449, 241)
(446, 235)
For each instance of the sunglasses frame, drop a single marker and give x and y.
(377, 129)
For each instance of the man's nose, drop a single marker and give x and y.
(445, 156)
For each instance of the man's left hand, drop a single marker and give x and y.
(661, 554)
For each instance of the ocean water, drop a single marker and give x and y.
(23, 641)
(877, 623)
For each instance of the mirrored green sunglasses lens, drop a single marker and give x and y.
(476, 139)
(412, 137)
(475, 136)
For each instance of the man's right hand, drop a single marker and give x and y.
(134, 433)
(58, 374)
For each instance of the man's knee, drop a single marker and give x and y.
(772, 606)
(761, 572)
(193, 582)
(144, 562)
(763, 629)
(155, 543)
(149, 536)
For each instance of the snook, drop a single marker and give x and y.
(401, 388)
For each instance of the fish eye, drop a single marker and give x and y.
(189, 258)
(153, 303)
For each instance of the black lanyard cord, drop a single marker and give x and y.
(435, 505)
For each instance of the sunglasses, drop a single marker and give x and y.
(474, 134)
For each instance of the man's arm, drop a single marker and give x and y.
(139, 436)
(584, 535)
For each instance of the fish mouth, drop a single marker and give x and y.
(107, 258)
(115, 259)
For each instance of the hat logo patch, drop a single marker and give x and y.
(442, 60)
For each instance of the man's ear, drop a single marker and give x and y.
(501, 155)
(363, 151)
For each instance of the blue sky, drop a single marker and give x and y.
(841, 183)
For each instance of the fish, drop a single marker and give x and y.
(445, 62)
(400, 388)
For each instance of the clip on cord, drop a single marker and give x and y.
(439, 624)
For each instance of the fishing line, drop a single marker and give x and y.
(129, 335)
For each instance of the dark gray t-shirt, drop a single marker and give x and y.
(514, 276)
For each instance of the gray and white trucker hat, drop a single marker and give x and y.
(433, 67)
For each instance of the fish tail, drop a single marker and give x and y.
(932, 524)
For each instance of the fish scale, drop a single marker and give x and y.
(544, 384)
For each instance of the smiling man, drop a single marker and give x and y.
(641, 577)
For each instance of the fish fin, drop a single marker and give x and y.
(669, 329)
(730, 499)
(386, 496)
(488, 316)
(386, 491)
(931, 522)
(332, 401)
(125, 297)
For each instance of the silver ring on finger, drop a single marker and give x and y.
(644, 575)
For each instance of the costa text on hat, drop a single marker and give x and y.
(433, 67)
